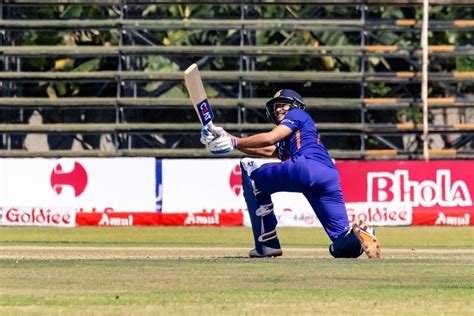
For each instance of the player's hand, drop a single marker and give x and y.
(211, 132)
(223, 144)
(216, 130)
(206, 136)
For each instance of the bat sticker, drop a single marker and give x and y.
(205, 112)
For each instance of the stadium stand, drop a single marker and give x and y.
(360, 76)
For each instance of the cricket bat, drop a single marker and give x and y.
(197, 94)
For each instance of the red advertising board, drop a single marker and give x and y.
(438, 192)
(159, 219)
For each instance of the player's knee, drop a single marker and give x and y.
(249, 165)
(346, 246)
(247, 183)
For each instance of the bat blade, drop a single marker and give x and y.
(197, 94)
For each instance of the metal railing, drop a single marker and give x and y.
(239, 90)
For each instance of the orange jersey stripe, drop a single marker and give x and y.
(298, 139)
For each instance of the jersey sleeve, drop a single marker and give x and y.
(292, 120)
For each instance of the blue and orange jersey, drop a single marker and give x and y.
(305, 139)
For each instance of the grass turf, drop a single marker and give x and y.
(96, 271)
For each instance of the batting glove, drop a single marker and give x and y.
(211, 132)
(222, 145)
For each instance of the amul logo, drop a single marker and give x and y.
(397, 187)
(76, 178)
(202, 219)
(443, 219)
(109, 220)
(235, 180)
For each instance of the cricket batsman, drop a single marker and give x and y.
(305, 167)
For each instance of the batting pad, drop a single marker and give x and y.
(260, 224)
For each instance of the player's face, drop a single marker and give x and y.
(280, 110)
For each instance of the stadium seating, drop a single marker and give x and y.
(116, 106)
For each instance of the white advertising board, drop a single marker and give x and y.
(215, 185)
(86, 184)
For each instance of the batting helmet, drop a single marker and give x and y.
(284, 96)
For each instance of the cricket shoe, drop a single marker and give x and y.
(267, 252)
(368, 241)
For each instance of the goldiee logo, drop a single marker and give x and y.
(235, 180)
(76, 178)
(39, 217)
(380, 213)
(397, 187)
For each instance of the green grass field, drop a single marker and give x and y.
(150, 271)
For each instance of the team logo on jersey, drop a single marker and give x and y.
(289, 122)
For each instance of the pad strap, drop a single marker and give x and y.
(264, 209)
(267, 236)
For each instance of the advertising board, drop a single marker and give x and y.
(84, 184)
(383, 193)
(435, 192)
